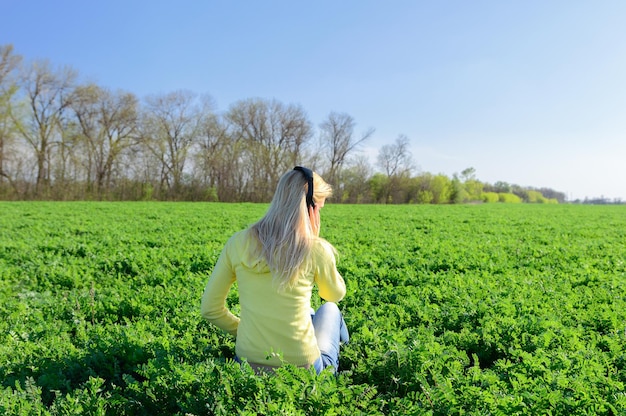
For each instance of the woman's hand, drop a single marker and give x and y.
(314, 216)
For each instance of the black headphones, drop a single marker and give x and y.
(308, 175)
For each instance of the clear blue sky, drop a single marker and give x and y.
(527, 92)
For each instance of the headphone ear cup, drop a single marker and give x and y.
(309, 194)
(308, 175)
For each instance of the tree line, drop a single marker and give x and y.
(64, 139)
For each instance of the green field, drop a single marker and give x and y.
(453, 310)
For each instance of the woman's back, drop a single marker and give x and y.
(276, 263)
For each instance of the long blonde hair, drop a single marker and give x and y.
(285, 233)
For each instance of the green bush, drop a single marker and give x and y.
(424, 197)
(509, 198)
(490, 197)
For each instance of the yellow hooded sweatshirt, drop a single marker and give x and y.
(273, 323)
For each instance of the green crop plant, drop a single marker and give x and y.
(492, 309)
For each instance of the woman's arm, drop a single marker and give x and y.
(213, 305)
(330, 283)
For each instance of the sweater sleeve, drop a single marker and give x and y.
(213, 305)
(330, 283)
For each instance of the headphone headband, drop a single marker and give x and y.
(308, 175)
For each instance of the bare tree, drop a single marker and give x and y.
(338, 141)
(396, 159)
(220, 162)
(274, 137)
(9, 63)
(172, 125)
(107, 125)
(47, 96)
(355, 178)
(397, 163)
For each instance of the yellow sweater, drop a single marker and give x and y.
(272, 323)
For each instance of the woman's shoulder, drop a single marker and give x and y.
(323, 248)
(240, 239)
(239, 235)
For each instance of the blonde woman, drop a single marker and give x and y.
(276, 262)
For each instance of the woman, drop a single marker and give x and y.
(276, 262)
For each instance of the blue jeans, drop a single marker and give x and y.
(331, 332)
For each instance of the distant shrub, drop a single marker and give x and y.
(509, 198)
(441, 188)
(490, 197)
(211, 194)
(536, 197)
(425, 197)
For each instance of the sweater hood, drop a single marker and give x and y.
(246, 246)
